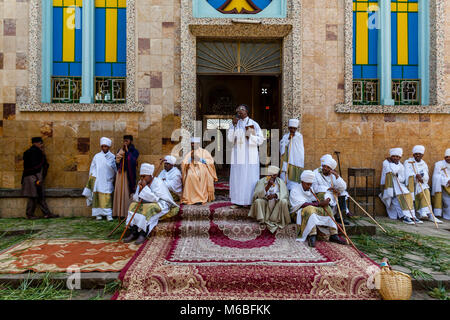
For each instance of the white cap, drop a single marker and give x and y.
(105, 142)
(147, 169)
(293, 123)
(271, 170)
(447, 153)
(170, 159)
(326, 156)
(307, 176)
(195, 140)
(329, 161)
(396, 152)
(418, 149)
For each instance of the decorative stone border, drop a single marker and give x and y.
(33, 101)
(287, 29)
(436, 67)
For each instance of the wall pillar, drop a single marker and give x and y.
(424, 51)
(47, 51)
(384, 53)
(88, 56)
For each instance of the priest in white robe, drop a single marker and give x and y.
(310, 213)
(395, 195)
(441, 187)
(100, 186)
(417, 177)
(171, 176)
(327, 179)
(151, 201)
(245, 136)
(292, 154)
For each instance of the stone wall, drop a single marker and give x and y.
(72, 138)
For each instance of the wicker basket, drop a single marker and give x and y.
(395, 285)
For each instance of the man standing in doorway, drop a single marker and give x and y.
(35, 167)
(245, 136)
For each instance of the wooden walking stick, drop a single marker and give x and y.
(423, 191)
(413, 216)
(339, 210)
(340, 229)
(121, 188)
(367, 213)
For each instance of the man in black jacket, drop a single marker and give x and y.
(35, 168)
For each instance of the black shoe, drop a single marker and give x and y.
(142, 237)
(134, 234)
(335, 238)
(32, 217)
(51, 215)
(312, 241)
(338, 220)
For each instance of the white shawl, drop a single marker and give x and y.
(296, 150)
(421, 168)
(172, 180)
(103, 168)
(439, 176)
(157, 192)
(236, 135)
(399, 170)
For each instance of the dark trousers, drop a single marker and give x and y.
(31, 206)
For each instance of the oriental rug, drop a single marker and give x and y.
(57, 255)
(214, 252)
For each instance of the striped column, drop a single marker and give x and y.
(88, 57)
(384, 53)
(424, 51)
(47, 51)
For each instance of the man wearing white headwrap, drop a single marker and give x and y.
(292, 154)
(100, 185)
(328, 180)
(198, 175)
(271, 201)
(441, 187)
(171, 176)
(245, 135)
(416, 172)
(153, 201)
(311, 213)
(395, 195)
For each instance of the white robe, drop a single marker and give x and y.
(244, 172)
(172, 180)
(421, 168)
(322, 183)
(296, 154)
(104, 169)
(157, 192)
(388, 197)
(440, 179)
(297, 198)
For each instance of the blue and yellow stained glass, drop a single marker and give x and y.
(239, 6)
(110, 38)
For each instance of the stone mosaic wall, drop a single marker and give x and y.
(72, 138)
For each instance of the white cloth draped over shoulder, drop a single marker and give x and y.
(421, 168)
(156, 193)
(103, 168)
(172, 179)
(322, 183)
(297, 198)
(399, 171)
(439, 176)
(244, 172)
(295, 149)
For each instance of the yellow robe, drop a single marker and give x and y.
(198, 177)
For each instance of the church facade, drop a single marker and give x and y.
(362, 76)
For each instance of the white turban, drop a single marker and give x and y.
(147, 169)
(418, 149)
(327, 156)
(293, 123)
(170, 159)
(396, 152)
(447, 153)
(329, 161)
(307, 176)
(195, 140)
(105, 142)
(271, 170)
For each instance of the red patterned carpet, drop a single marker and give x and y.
(214, 252)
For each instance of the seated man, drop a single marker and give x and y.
(151, 201)
(327, 179)
(198, 174)
(171, 176)
(395, 196)
(416, 172)
(312, 213)
(271, 201)
(441, 187)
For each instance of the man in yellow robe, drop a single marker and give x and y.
(198, 175)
